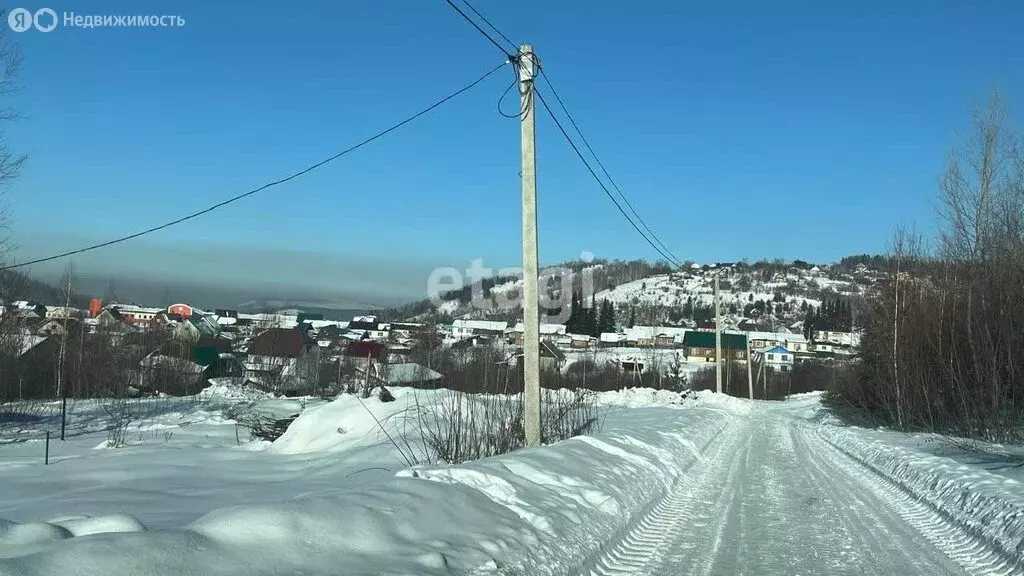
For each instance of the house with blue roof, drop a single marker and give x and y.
(777, 357)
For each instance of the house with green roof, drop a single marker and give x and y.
(700, 345)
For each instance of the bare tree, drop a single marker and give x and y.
(981, 180)
(11, 162)
(944, 334)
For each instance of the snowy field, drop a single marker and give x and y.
(671, 485)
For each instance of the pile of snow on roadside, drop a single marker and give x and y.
(987, 505)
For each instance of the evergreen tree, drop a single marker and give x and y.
(590, 324)
(607, 322)
(632, 316)
(809, 319)
(572, 325)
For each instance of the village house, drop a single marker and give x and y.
(183, 310)
(795, 343)
(182, 368)
(549, 332)
(777, 357)
(110, 320)
(612, 339)
(195, 327)
(462, 329)
(35, 366)
(655, 336)
(283, 360)
(136, 315)
(581, 341)
(847, 339)
(58, 327)
(367, 328)
(60, 312)
(551, 357)
(701, 346)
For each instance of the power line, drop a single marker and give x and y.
(601, 165)
(600, 182)
(510, 55)
(515, 48)
(288, 178)
(657, 244)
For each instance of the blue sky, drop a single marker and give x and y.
(744, 129)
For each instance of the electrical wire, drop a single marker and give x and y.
(515, 48)
(280, 181)
(601, 166)
(511, 55)
(515, 82)
(600, 182)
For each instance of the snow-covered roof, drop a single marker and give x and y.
(227, 320)
(612, 337)
(133, 309)
(777, 337)
(325, 323)
(492, 325)
(545, 329)
(650, 332)
(30, 341)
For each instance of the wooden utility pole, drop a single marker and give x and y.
(531, 311)
(718, 338)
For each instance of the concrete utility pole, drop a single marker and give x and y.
(750, 378)
(531, 311)
(718, 338)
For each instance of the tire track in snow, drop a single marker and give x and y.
(945, 532)
(639, 549)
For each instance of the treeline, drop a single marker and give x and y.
(591, 320)
(943, 348)
(16, 285)
(833, 315)
(871, 261)
(80, 365)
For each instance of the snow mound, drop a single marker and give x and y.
(346, 422)
(20, 539)
(730, 404)
(639, 397)
(232, 389)
(85, 525)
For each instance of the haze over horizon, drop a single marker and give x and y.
(813, 133)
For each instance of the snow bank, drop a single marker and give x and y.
(347, 422)
(232, 389)
(535, 511)
(988, 506)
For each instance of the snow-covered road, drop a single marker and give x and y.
(772, 496)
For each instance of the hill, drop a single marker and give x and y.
(772, 294)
